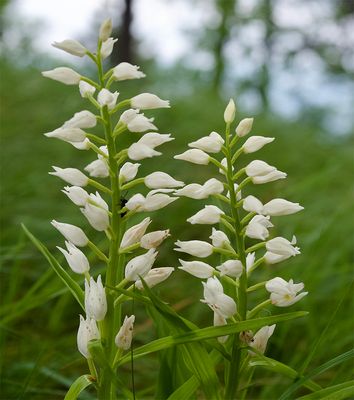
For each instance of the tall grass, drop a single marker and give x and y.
(38, 327)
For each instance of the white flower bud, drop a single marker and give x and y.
(210, 144)
(83, 119)
(159, 179)
(231, 268)
(95, 299)
(87, 331)
(282, 246)
(284, 294)
(135, 233)
(71, 233)
(97, 169)
(76, 194)
(272, 176)
(252, 204)
(250, 260)
(71, 175)
(64, 75)
(198, 269)
(260, 339)
(195, 248)
(105, 30)
(71, 46)
(107, 98)
(124, 71)
(208, 215)
(155, 201)
(140, 265)
(219, 320)
(153, 139)
(196, 191)
(67, 134)
(86, 89)
(135, 202)
(107, 47)
(272, 258)
(96, 216)
(154, 239)
(255, 143)
(84, 145)
(230, 111)
(257, 227)
(154, 277)
(259, 168)
(140, 123)
(224, 164)
(219, 238)
(138, 151)
(76, 259)
(277, 207)
(148, 101)
(128, 172)
(194, 156)
(215, 298)
(124, 336)
(244, 127)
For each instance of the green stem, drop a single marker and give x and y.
(255, 247)
(257, 286)
(258, 308)
(99, 186)
(97, 251)
(233, 372)
(95, 138)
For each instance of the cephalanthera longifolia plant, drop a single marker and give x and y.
(132, 252)
(242, 218)
(190, 357)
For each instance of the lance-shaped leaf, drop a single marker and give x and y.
(69, 282)
(79, 386)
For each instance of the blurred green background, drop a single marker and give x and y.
(287, 63)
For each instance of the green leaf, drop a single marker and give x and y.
(337, 392)
(195, 356)
(319, 370)
(69, 282)
(78, 386)
(209, 333)
(283, 369)
(186, 390)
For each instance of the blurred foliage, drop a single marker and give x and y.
(38, 324)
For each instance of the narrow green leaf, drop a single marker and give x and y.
(195, 356)
(319, 370)
(186, 390)
(74, 288)
(314, 347)
(78, 386)
(283, 369)
(209, 333)
(337, 392)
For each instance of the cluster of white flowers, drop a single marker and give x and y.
(112, 163)
(255, 224)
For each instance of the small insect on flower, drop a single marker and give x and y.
(122, 202)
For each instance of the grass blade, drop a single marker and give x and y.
(338, 392)
(74, 288)
(78, 386)
(319, 370)
(283, 369)
(209, 333)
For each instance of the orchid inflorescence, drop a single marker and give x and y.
(102, 306)
(132, 251)
(231, 240)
